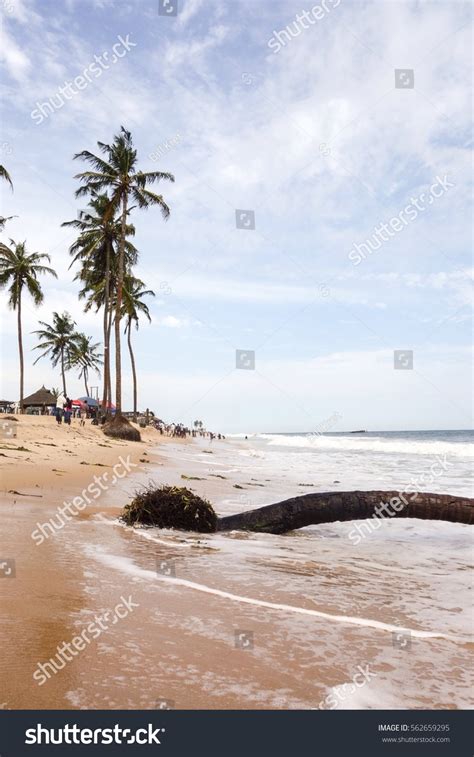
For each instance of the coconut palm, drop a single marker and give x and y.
(95, 248)
(20, 270)
(132, 307)
(118, 174)
(56, 392)
(58, 341)
(85, 356)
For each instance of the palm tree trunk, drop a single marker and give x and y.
(109, 377)
(20, 350)
(118, 312)
(106, 361)
(134, 372)
(63, 373)
(327, 507)
(85, 383)
(105, 398)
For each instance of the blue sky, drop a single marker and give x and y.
(318, 141)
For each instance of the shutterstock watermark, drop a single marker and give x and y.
(68, 650)
(74, 734)
(386, 230)
(70, 89)
(326, 425)
(165, 147)
(340, 693)
(303, 20)
(68, 510)
(389, 509)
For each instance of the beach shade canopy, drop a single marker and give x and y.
(78, 403)
(90, 401)
(42, 397)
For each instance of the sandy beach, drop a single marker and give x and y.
(220, 621)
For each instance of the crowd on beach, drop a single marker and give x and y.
(68, 411)
(181, 431)
(91, 410)
(85, 411)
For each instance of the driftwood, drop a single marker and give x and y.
(327, 507)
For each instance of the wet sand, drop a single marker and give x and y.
(234, 620)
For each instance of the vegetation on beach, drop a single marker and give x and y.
(133, 305)
(115, 185)
(60, 342)
(116, 173)
(170, 507)
(20, 270)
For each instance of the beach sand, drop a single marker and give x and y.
(239, 621)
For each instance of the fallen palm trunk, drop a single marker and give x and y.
(327, 507)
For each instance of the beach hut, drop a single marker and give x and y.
(41, 398)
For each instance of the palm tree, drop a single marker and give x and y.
(118, 174)
(133, 305)
(85, 356)
(19, 269)
(58, 341)
(95, 248)
(56, 393)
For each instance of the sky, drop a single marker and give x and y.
(347, 138)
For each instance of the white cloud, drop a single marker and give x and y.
(172, 322)
(15, 59)
(191, 8)
(193, 49)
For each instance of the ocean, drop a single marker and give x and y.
(438, 461)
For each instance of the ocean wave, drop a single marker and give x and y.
(128, 566)
(371, 444)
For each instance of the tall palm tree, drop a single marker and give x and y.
(5, 175)
(58, 341)
(18, 270)
(85, 356)
(133, 306)
(118, 174)
(95, 248)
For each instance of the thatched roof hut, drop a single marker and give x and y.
(42, 397)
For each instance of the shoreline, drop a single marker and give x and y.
(222, 621)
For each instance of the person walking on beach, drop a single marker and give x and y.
(83, 415)
(59, 416)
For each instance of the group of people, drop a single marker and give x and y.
(181, 431)
(67, 411)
